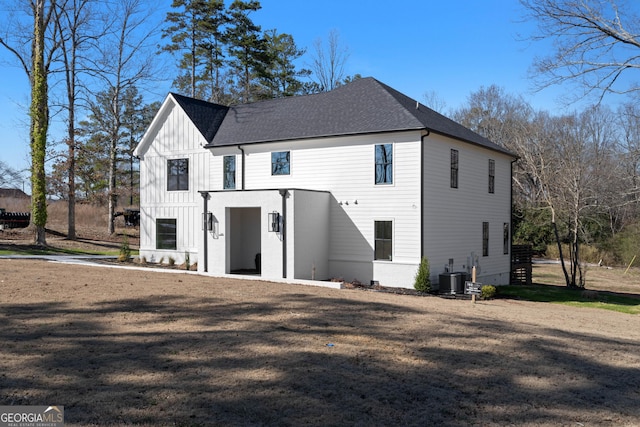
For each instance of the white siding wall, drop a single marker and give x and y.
(345, 167)
(308, 238)
(176, 139)
(454, 217)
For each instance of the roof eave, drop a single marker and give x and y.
(303, 138)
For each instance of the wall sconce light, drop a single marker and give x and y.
(207, 221)
(274, 221)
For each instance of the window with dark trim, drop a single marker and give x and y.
(505, 238)
(280, 163)
(383, 240)
(485, 239)
(454, 168)
(166, 235)
(177, 174)
(384, 164)
(492, 176)
(229, 172)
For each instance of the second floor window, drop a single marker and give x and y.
(280, 163)
(454, 168)
(229, 172)
(492, 176)
(384, 164)
(177, 174)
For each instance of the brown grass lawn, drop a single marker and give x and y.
(123, 347)
(147, 348)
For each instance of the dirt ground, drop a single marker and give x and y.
(124, 347)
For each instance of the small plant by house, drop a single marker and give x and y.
(422, 281)
(488, 292)
(125, 250)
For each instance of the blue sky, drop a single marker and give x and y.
(452, 48)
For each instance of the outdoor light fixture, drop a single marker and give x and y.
(274, 221)
(207, 221)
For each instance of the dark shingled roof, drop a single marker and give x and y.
(360, 107)
(206, 116)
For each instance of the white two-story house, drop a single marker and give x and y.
(357, 183)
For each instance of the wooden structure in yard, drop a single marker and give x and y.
(14, 219)
(521, 264)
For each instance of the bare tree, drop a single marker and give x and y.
(34, 46)
(126, 60)
(596, 42)
(328, 62)
(73, 21)
(433, 100)
(9, 177)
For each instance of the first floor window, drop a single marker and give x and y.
(166, 237)
(485, 239)
(384, 164)
(505, 237)
(229, 170)
(177, 174)
(383, 240)
(454, 168)
(280, 163)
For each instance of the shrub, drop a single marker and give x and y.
(422, 281)
(125, 250)
(488, 292)
(187, 261)
(172, 261)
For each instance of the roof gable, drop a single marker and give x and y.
(206, 116)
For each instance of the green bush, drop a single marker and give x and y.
(422, 281)
(125, 250)
(488, 292)
(625, 245)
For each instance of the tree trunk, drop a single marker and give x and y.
(555, 231)
(39, 125)
(71, 229)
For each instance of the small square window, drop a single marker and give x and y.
(280, 163)
(177, 174)
(229, 172)
(383, 240)
(166, 235)
(384, 164)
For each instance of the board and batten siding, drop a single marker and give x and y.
(453, 217)
(177, 138)
(345, 167)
